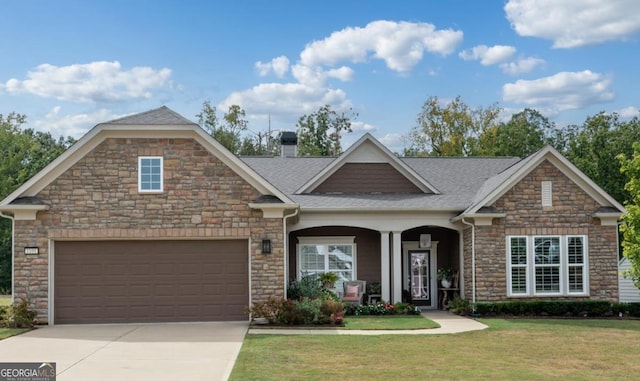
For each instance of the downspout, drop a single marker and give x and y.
(473, 262)
(286, 246)
(13, 229)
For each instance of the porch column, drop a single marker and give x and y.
(385, 269)
(397, 267)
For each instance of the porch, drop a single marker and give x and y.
(404, 263)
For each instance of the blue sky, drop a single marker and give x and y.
(69, 65)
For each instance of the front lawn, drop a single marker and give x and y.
(392, 322)
(515, 349)
(5, 300)
(8, 332)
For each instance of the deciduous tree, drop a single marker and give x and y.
(451, 129)
(630, 166)
(319, 132)
(525, 133)
(594, 146)
(227, 133)
(23, 153)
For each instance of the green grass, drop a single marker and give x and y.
(515, 349)
(8, 332)
(389, 322)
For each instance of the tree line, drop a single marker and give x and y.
(602, 147)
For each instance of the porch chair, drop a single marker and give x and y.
(354, 291)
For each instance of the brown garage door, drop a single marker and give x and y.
(150, 281)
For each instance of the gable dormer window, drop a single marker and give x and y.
(150, 174)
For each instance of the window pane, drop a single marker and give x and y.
(311, 258)
(576, 283)
(519, 280)
(547, 250)
(518, 250)
(340, 257)
(575, 250)
(547, 279)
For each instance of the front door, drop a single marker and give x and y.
(419, 280)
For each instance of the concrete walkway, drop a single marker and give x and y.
(449, 323)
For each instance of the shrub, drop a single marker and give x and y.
(307, 287)
(310, 309)
(270, 309)
(290, 314)
(582, 308)
(626, 309)
(382, 308)
(327, 294)
(19, 315)
(330, 307)
(459, 306)
(332, 310)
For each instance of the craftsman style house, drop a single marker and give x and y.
(147, 218)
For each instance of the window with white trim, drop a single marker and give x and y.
(150, 174)
(547, 265)
(328, 254)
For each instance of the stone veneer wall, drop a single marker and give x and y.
(570, 214)
(97, 198)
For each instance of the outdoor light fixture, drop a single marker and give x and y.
(266, 246)
(425, 241)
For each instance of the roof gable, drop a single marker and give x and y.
(495, 187)
(161, 116)
(141, 126)
(367, 178)
(367, 150)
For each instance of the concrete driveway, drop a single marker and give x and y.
(172, 351)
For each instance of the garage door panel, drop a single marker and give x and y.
(147, 281)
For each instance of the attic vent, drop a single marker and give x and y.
(546, 194)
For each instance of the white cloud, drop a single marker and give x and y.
(358, 126)
(629, 112)
(400, 44)
(99, 81)
(285, 100)
(562, 91)
(74, 125)
(343, 73)
(279, 66)
(316, 76)
(571, 23)
(523, 65)
(488, 55)
(394, 142)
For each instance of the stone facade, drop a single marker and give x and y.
(98, 198)
(570, 214)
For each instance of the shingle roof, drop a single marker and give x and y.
(159, 116)
(458, 180)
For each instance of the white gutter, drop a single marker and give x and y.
(473, 262)
(13, 244)
(286, 246)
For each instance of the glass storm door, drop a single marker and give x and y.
(419, 275)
